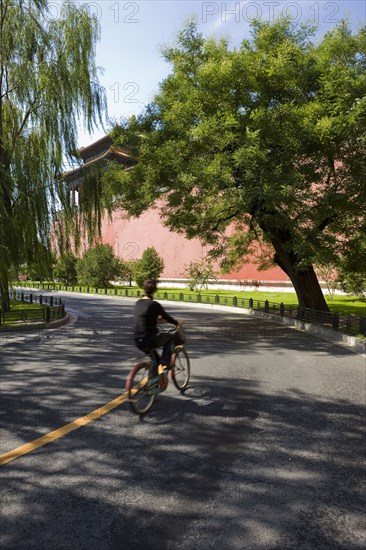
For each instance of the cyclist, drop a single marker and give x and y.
(147, 315)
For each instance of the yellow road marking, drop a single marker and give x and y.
(64, 430)
(75, 425)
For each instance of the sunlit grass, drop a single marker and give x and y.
(348, 305)
(19, 305)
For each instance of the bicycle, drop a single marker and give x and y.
(148, 378)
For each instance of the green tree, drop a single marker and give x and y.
(98, 266)
(37, 269)
(65, 268)
(351, 267)
(48, 79)
(200, 273)
(150, 266)
(353, 282)
(268, 138)
(128, 270)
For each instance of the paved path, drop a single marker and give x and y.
(264, 451)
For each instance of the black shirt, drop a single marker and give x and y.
(147, 312)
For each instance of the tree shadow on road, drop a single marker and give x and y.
(230, 464)
(225, 465)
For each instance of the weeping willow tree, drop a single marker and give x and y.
(48, 81)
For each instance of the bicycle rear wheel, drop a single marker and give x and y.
(182, 370)
(141, 395)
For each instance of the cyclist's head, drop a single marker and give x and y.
(149, 287)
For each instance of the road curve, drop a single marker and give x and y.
(264, 451)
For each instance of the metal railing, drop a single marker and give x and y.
(53, 309)
(349, 324)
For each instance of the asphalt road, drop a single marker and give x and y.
(265, 450)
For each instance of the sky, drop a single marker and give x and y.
(133, 33)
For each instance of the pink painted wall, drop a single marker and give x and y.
(129, 238)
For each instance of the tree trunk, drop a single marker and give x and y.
(305, 281)
(5, 299)
(6, 229)
(308, 290)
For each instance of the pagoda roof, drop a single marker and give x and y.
(95, 153)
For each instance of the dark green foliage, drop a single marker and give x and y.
(39, 268)
(128, 269)
(98, 267)
(353, 283)
(351, 266)
(48, 79)
(268, 139)
(150, 266)
(65, 269)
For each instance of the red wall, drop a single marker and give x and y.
(129, 238)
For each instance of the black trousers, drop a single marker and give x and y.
(163, 340)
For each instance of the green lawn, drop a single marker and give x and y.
(350, 305)
(18, 305)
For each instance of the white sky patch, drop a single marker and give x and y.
(223, 12)
(132, 33)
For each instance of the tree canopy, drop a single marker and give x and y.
(65, 268)
(149, 266)
(48, 81)
(268, 138)
(98, 266)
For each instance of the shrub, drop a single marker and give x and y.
(65, 268)
(98, 267)
(353, 283)
(129, 268)
(199, 274)
(150, 266)
(351, 267)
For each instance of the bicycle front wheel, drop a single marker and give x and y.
(140, 395)
(182, 370)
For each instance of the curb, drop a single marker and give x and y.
(34, 331)
(60, 322)
(349, 342)
(35, 326)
